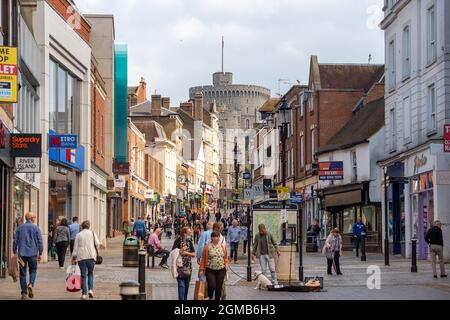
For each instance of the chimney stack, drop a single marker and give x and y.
(156, 105)
(142, 91)
(188, 107)
(166, 103)
(198, 106)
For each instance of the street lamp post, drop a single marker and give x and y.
(236, 169)
(203, 184)
(300, 238)
(283, 111)
(386, 224)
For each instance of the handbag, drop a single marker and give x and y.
(184, 272)
(73, 280)
(99, 259)
(329, 254)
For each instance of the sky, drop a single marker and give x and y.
(176, 44)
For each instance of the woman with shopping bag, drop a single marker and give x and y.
(186, 252)
(214, 265)
(85, 252)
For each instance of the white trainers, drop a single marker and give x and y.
(91, 294)
(84, 297)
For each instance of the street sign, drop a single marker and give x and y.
(333, 170)
(283, 216)
(27, 165)
(148, 194)
(283, 193)
(298, 198)
(267, 184)
(62, 141)
(447, 138)
(248, 194)
(8, 75)
(258, 191)
(26, 145)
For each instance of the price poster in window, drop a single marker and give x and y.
(8, 74)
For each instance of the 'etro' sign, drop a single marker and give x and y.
(62, 141)
(26, 145)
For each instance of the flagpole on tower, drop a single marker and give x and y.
(223, 47)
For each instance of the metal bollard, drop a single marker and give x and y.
(363, 248)
(129, 290)
(142, 294)
(414, 256)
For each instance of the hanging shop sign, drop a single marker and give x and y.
(62, 141)
(149, 194)
(27, 165)
(8, 75)
(121, 168)
(267, 184)
(26, 145)
(447, 138)
(333, 170)
(119, 182)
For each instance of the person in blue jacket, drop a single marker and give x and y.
(359, 231)
(140, 230)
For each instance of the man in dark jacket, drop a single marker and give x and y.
(436, 243)
(359, 231)
(28, 245)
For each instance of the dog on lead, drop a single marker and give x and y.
(261, 281)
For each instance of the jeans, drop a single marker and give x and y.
(61, 249)
(357, 244)
(196, 237)
(266, 261)
(31, 262)
(437, 252)
(72, 244)
(215, 280)
(234, 250)
(245, 246)
(164, 255)
(183, 288)
(87, 269)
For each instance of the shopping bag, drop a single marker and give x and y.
(199, 293)
(53, 253)
(73, 280)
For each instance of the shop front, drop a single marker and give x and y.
(65, 170)
(342, 206)
(5, 197)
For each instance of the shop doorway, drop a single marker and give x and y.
(61, 186)
(4, 211)
(422, 202)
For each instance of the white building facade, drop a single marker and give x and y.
(417, 97)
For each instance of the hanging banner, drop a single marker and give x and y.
(8, 74)
(27, 165)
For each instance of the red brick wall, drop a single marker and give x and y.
(335, 111)
(97, 127)
(8, 109)
(63, 8)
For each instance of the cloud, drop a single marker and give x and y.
(176, 44)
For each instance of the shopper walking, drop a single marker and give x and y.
(436, 242)
(85, 253)
(28, 245)
(197, 231)
(264, 248)
(74, 229)
(233, 238)
(61, 241)
(333, 250)
(244, 237)
(187, 252)
(140, 230)
(205, 238)
(214, 265)
(314, 229)
(359, 231)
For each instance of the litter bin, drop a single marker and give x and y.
(130, 252)
(311, 245)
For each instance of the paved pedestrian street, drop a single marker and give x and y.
(397, 282)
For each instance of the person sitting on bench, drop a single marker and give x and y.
(158, 250)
